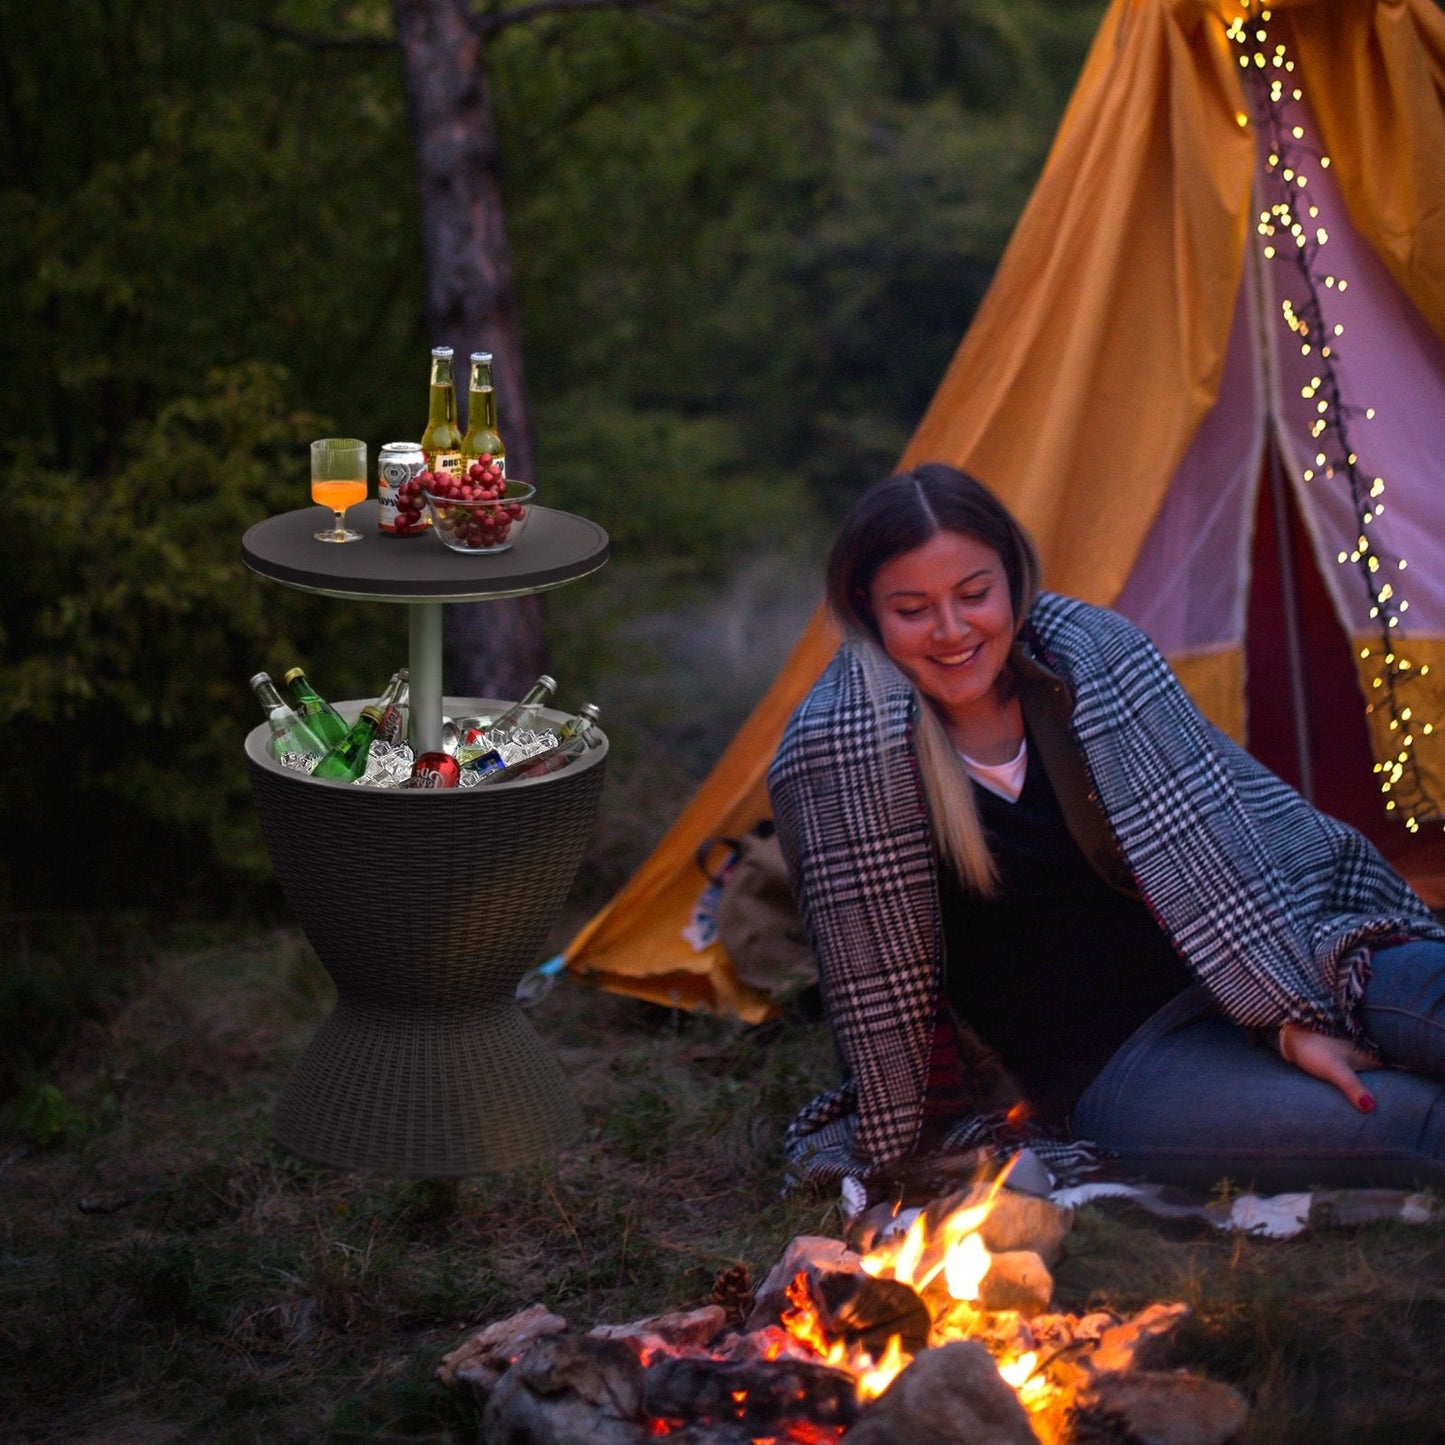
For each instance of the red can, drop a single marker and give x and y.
(435, 770)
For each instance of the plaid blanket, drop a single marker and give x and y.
(1272, 905)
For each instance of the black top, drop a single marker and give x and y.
(1059, 968)
(554, 548)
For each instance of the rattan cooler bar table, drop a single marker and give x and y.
(426, 1066)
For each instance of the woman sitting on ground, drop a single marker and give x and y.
(1038, 883)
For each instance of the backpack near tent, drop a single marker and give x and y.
(1209, 378)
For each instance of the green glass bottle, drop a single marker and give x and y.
(317, 713)
(345, 762)
(441, 442)
(482, 438)
(290, 736)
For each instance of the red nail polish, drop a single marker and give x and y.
(1367, 1104)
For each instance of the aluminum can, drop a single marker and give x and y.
(435, 770)
(396, 463)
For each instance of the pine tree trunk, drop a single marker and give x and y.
(493, 649)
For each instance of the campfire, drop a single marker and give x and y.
(934, 1327)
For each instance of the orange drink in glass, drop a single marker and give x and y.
(338, 481)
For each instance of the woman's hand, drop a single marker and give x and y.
(1329, 1058)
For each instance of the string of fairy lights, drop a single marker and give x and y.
(1293, 236)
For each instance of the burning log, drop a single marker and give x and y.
(568, 1390)
(815, 1253)
(762, 1396)
(860, 1311)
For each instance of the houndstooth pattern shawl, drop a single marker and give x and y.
(1272, 905)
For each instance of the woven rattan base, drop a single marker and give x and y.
(426, 1096)
(426, 908)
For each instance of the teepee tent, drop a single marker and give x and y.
(1209, 377)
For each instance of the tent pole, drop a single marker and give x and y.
(1294, 650)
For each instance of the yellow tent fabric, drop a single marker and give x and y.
(1097, 352)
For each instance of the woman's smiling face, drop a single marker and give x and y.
(945, 617)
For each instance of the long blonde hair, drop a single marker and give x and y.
(893, 517)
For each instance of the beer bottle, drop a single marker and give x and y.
(315, 711)
(581, 725)
(346, 760)
(441, 441)
(393, 704)
(482, 438)
(290, 735)
(574, 738)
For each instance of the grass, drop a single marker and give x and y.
(168, 1275)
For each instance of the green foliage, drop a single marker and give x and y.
(131, 626)
(746, 241)
(790, 237)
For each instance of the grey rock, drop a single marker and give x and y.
(952, 1395)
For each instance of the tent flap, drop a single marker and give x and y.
(1128, 367)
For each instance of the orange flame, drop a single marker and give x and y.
(917, 1257)
(874, 1379)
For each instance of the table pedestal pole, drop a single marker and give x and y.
(424, 661)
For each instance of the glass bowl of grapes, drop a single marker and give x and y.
(477, 512)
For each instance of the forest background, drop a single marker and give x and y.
(745, 240)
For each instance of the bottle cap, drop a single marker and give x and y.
(293, 674)
(482, 356)
(260, 677)
(442, 351)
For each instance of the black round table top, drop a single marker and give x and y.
(554, 548)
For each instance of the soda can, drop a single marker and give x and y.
(435, 770)
(396, 463)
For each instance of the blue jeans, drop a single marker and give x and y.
(1191, 1099)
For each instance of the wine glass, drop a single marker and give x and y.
(338, 481)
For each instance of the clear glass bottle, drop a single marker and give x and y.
(290, 736)
(522, 715)
(346, 761)
(482, 438)
(394, 705)
(441, 442)
(314, 710)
